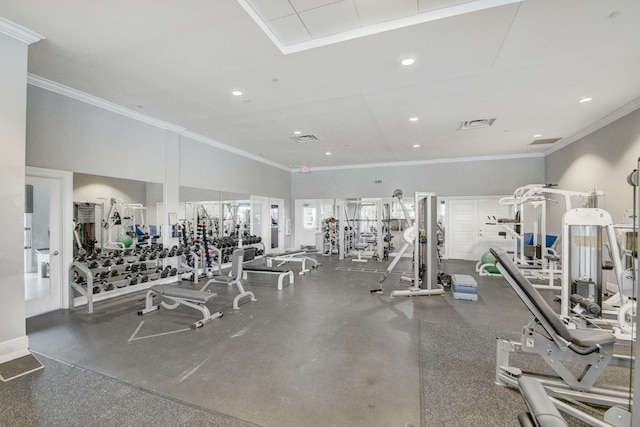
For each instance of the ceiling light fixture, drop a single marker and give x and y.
(537, 135)
(416, 145)
(408, 61)
(297, 132)
(413, 119)
(328, 153)
(585, 99)
(236, 93)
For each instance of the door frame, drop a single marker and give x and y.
(65, 225)
(281, 224)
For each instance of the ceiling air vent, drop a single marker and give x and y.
(476, 124)
(545, 141)
(304, 139)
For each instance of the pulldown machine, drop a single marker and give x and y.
(422, 235)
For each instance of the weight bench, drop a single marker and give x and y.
(249, 256)
(295, 256)
(360, 248)
(180, 296)
(557, 343)
(261, 269)
(234, 278)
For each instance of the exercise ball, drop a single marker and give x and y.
(126, 240)
(488, 258)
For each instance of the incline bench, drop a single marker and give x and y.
(557, 344)
(249, 256)
(234, 278)
(180, 296)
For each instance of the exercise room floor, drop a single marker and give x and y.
(322, 352)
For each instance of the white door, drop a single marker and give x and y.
(43, 263)
(489, 212)
(308, 214)
(461, 232)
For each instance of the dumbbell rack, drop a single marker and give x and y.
(120, 284)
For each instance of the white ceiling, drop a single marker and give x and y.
(525, 63)
(295, 25)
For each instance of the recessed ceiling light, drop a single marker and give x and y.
(413, 119)
(328, 153)
(297, 132)
(236, 93)
(537, 135)
(416, 145)
(586, 99)
(408, 61)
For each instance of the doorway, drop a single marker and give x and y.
(46, 251)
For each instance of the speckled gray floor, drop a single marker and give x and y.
(321, 352)
(65, 395)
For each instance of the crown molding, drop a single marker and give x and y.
(19, 32)
(423, 162)
(610, 118)
(63, 90)
(197, 137)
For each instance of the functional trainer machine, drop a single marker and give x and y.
(425, 248)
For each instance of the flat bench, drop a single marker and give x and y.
(180, 296)
(261, 269)
(297, 256)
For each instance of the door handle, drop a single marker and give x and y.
(55, 253)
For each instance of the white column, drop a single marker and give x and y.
(171, 187)
(14, 43)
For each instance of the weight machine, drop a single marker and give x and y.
(533, 249)
(590, 251)
(123, 219)
(422, 235)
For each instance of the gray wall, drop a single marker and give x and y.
(461, 178)
(89, 188)
(602, 160)
(13, 86)
(66, 134)
(206, 166)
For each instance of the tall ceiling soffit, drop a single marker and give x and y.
(297, 25)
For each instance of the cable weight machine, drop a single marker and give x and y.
(422, 235)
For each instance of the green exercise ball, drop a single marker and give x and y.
(126, 240)
(488, 258)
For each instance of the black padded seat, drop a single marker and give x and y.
(590, 337)
(188, 294)
(582, 341)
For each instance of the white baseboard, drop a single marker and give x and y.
(14, 349)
